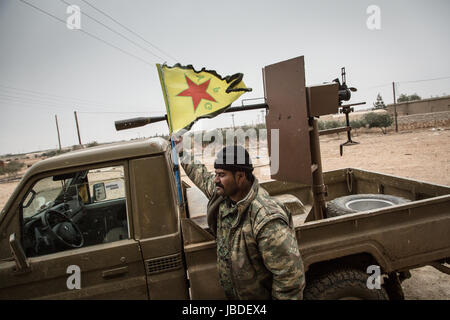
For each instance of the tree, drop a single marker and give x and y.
(405, 98)
(379, 104)
(414, 97)
(377, 120)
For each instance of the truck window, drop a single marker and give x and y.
(113, 181)
(75, 210)
(43, 193)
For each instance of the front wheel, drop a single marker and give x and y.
(342, 284)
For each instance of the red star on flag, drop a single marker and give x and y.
(197, 92)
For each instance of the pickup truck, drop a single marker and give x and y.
(106, 223)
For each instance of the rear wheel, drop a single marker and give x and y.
(342, 284)
(361, 202)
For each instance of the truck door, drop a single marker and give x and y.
(77, 237)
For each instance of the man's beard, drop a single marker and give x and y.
(219, 185)
(230, 191)
(220, 191)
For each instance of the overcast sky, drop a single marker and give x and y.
(47, 69)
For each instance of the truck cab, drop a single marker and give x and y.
(96, 223)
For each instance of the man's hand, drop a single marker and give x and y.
(178, 143)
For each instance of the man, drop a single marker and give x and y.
(257, 251)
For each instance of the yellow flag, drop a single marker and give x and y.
(191, 94)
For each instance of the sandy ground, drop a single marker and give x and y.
(5, 191)
(422, 154)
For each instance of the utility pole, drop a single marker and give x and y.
(57, 130)
(395, 108)
(78, 128)
(262, 115)
(232, 116)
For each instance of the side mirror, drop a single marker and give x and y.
(99, 191)
(22, 263)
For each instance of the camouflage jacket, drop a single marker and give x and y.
(257, 250)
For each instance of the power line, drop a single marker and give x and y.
(116, 32)
(411, 81)
(42, 93)
(57, 105)
(27, 105)
(33, 101)
(424, 80)
(120, 112)
(87, 33)
(378, 86)
(41, 101)
(58, 98)
(32, 105)
(128, 29)
(28, 99)
(35, 97)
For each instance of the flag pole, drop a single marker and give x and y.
(172, 143)
(177, 170)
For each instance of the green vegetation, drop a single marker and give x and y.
(325, 125)
(405, 98)
(53, 153)
(356, 124)
(379, 104)
(370, 120)
(378, 120)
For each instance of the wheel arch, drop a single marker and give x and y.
(359, 260)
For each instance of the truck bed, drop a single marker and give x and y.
(397, 238)
(197, 203)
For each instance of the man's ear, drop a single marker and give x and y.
(240, 175)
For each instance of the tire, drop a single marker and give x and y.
(361, 202)
(342, 284)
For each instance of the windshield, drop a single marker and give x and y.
(42, 195)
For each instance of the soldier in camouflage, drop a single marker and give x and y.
(257, 251)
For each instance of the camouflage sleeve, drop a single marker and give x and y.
(198, 173)
(278, 246)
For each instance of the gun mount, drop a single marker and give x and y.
(293, 110)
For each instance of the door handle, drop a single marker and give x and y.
(113, 273)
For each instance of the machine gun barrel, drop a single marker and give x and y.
(142, 121)
(352, 104)
(137, 122)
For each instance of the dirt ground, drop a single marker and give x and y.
(422, 154)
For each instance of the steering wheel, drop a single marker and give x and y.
(66, 232)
